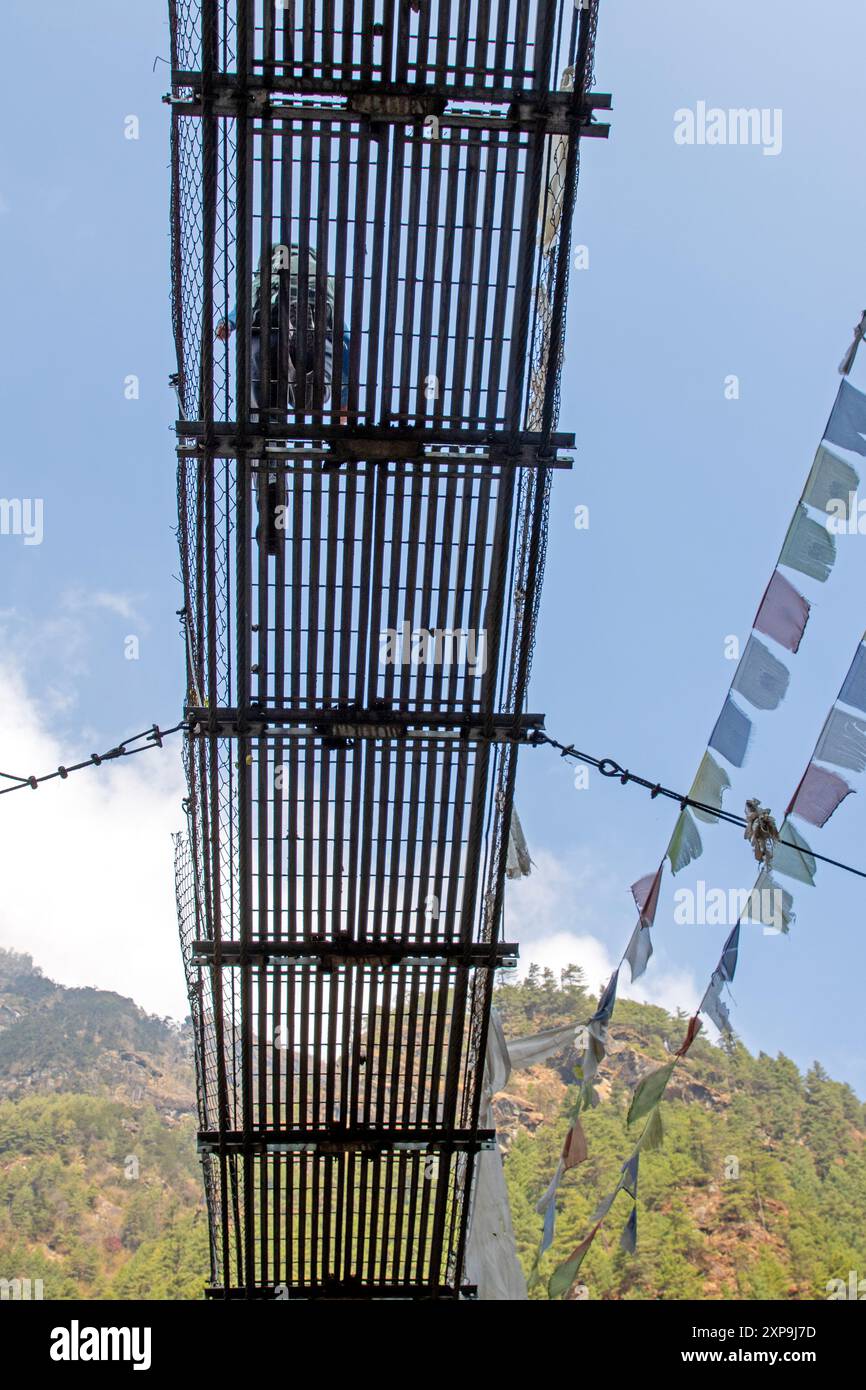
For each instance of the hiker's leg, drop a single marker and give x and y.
(255, 375)
(262, 396)
(272, 491)
(329, 368)
(291, 371)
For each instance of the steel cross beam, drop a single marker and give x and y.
(334, 1141)
(344, 724)
(395, 442)
(334, 952)
(551, 112)
(347, 1290)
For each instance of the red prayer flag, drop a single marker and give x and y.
(646, 895)
(783, 613)
(574, 1149)
(818, 795)
(691, 1034)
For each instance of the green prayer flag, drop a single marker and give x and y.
(649, 1092)
(654, 1135)
(685, 843)
(809, 547)
(565, 1274)
(796, 862)
(831, 481)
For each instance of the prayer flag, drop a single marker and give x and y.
(731, 735)
(843, 741)
(691, 1033)
(607, 1001)
(565, 1274)
(770, 905)
(574, 1149)
(709, 786)
(831, 480)
(628, 1239)
(713, 1007)
(818, 795)
(853, 691)
(639, 950)
(809, 547)
(685, 843)
(847, 424)
(628, 1181)
(646, 895)
(794, 860)
(760, 677)
(649, 1092)
(653, 1135)
(728, 961)
(783, 613)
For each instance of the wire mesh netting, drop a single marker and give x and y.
(371, 212)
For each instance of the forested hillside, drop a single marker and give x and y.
(100, 1187)
(757, 1192)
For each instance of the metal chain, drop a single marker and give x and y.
(153, 739)
(609, 768)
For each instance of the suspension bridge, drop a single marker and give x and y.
(371, 225)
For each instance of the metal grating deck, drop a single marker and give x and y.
(362, 551)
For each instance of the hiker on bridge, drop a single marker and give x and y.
(286, 366)
(286, 315)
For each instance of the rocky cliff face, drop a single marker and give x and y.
(535, 1096)
(88, 1041)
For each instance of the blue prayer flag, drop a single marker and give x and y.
(731, 735)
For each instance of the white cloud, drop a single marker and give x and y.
(562, 948)
(576, 912)
(56, 643)
(88, 887)
(80, 600)
(62, 641)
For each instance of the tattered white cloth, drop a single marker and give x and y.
(491, 1251)
(518, 863)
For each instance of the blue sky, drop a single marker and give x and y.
(703, 262)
